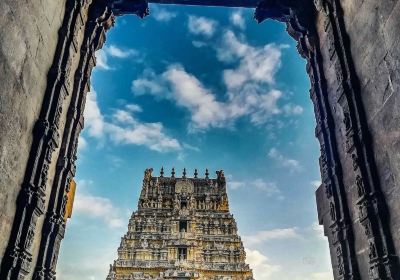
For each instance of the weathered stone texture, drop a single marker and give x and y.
(370, 95)
(373, 28)
(29, 34)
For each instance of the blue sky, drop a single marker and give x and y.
(200, 87)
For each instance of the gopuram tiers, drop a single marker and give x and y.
(182, 230)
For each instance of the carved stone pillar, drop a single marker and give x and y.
(17, 261)
(96, 19)
(94, 22)
(372, 215)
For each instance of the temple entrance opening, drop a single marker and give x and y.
(189, 91)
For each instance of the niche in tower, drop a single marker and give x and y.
(184, 203)
(183, 226)
(182, 253)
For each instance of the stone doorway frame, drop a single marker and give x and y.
(338, 110)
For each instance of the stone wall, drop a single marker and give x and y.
(371, 37)
(29, 35)
(374, 28)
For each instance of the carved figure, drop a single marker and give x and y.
(360, 186)
(147, 174)
(332, 211)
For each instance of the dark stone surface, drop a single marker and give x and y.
(28, 39)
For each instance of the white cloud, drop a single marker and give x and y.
(206, 111)
(123, 117)
(80, 265)
(94, 120)
(318, 231)
(309, 236)
(237, 19)
(199, 44)
(291, 109)
(84, 184)
(189, 92)
(99, 208)
(234, 185)
(115, 51)
(269, 188)
(231, 48)
(148, 83)
(161, 14)
(102, 60)
(292, 164)
(316, 183)
(248, 84)
(134, 108)
(124, 128)
(321, 276)
(148, 134)
(115, 161)
(268, 235)
(256, 64)
(202, 26)
(82, 143)
(266, 104)
(102, 56)
(191, 147)
(262, 268)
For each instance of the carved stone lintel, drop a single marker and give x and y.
(123, 7)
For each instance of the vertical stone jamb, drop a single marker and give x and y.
(371, 204)
(95, 22)
(16, 263)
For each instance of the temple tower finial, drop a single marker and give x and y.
(195, 173)
(147, 174)
(173, 172)
(220, 176)
(162, 171)
(184, 173)
(207, 173)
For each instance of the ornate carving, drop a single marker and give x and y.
(185, 240)
(184, 187)
(137, 7)
(328, 189)
(332, 211)
(372, 251)
(147, 174)
(360, 186)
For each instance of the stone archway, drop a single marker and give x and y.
(358, 189)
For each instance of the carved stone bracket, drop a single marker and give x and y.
(16, 263)
(123, 7)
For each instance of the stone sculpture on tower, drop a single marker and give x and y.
(182, 230)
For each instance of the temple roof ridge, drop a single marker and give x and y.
(219, 174)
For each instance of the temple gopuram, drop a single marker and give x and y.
(182, 230)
